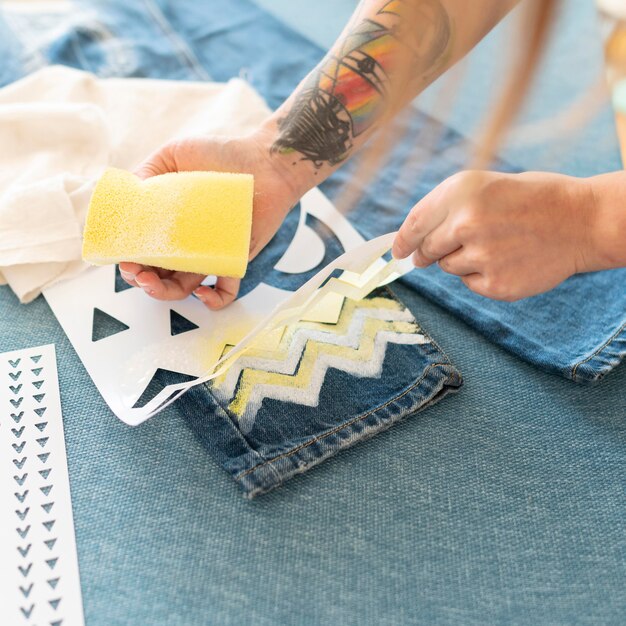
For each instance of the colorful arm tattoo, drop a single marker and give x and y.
(352, 87)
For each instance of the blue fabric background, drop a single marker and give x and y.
(503, 505)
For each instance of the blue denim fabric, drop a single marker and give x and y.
(184, 40)
(286, 437)
(502, 505)
(578, 330)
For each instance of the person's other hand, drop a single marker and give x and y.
(273, 198)
(508, 236)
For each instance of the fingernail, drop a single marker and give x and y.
(127, 275)
(148, 290)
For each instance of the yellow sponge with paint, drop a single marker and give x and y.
(186, 221)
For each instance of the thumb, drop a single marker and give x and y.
(160, 162)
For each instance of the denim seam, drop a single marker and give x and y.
(598, 351)
(347, 424)
(240, 434)
(181, 48)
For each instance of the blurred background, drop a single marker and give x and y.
(475, 82)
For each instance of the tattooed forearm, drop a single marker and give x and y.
(389, 44)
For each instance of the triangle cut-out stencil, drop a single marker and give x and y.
(120, 284)
(37, 537)
(180, 324)
(105, 325)
(161, 379)
(121, 367)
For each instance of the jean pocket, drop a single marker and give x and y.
(320, 387)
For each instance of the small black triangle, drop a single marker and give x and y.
(120, 283)
(180, 324)
(105, 325)
(161, 379)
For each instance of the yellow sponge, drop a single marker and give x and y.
(187, 221)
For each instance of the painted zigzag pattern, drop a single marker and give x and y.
(295, 371)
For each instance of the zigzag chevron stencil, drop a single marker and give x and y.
(296, 369)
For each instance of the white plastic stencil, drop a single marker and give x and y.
(39, 581)
(306, 239)
(145, 336)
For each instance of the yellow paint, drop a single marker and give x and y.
(263, 350)
(313, 350)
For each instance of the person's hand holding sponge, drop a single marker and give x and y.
(206, 223)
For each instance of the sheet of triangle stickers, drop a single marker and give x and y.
(39, 582)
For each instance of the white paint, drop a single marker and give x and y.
(309, 396)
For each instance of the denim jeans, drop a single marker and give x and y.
(326, 386)
(502, 505)
(578, 330)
